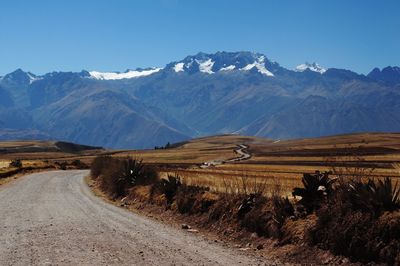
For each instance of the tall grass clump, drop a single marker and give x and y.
(117, 175)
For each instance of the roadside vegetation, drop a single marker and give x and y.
(351, 216)
(18, 166)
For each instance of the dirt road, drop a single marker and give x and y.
(241, 150)
(53, 219)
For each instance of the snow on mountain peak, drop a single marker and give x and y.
(223, 62)
(33, 78)
(205, 66)
(228, 68)
(179, 67)
(313, 67)
(126, 75)
(259, 64)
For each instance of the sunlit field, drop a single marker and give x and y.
(276, 164)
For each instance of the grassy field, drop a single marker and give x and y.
(43, 155)
(276, 164)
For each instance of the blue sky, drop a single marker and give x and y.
(71, 35)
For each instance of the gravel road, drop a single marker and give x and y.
(53, 219)
(241, 150)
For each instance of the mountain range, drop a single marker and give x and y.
(204, 94)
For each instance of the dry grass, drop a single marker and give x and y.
(273, 163)
(281, 164)
(4, 164)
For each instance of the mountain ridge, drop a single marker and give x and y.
(202, 94)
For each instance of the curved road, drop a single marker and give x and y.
(241, 150)
(53, 219)
(244, 155)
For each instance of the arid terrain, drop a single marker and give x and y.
(208, 161)
(213, 166)
(277, 162)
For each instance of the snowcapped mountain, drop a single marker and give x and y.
(126, 75)
(224, 62)
(312, 67)
(202, 63)
(202, 94)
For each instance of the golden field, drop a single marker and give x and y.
(276, 164)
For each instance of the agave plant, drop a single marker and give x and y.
(132, 171)
(316, 188)
(16, 163)
(283, 208)
(169, 187)
(374, 196)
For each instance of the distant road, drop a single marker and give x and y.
(244, 155)
(241, 150)
(53, 219)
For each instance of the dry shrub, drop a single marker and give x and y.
(117, 175)
(357, 223)
(267, 216)
(204, 201)
(282, 209)
(79, 164)
(110, 180)
(98, 165)
(17, 163)
(259, 217)
(190, 199)
(167, 187)
(225, 208)
(61, 165)
(140, 193)
(296, 230)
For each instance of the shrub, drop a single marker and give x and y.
(111, 179)
(258, 216)
(361, 221)
(282, 209)
(316, 189)
(134, 172)
(267, 215)
(225, 208)
(373, 196)
(185, 198)
(167, 187)
(61, 165)
(16, 163)
(79, 164)
(248, 204)
(98, 165)
(189, 199)
(116, 175)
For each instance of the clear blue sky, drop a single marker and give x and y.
(71, 35)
